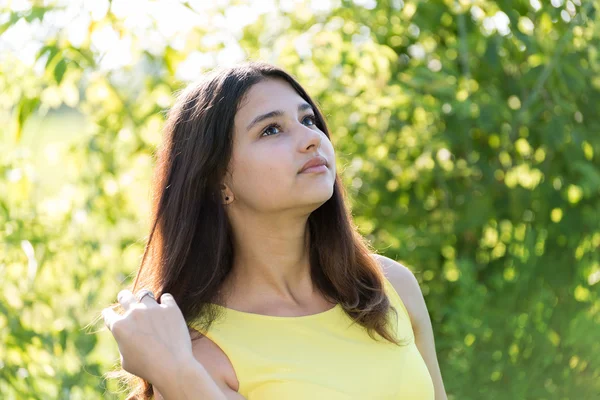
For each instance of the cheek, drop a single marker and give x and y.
(264, 173)
(328, 149)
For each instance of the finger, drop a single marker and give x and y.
(147, 299)
(126, 298)
(168, 300)
(110, 317)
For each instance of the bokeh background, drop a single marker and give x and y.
(467, 134)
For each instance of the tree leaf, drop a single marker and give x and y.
(23, 110)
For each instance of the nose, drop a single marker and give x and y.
(311, 138)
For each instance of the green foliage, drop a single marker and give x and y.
(466, 133)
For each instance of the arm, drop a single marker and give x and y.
(155, 345)
(409, 291)
(215, 364)
(191, 381)
(192, 385)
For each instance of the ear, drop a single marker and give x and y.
(226, 194)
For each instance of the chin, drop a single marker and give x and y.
(317, 197)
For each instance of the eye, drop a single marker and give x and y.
(268, 131)
(312, 118)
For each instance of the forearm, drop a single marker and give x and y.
(190, 382)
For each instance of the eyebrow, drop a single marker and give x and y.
(276, 113)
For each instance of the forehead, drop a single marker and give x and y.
(266, 96)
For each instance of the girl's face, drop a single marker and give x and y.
(275, 134)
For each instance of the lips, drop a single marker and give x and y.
(313, 162)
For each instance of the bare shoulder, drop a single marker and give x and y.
(407, 286)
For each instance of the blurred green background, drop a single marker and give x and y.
(467, 133)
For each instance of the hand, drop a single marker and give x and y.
(153, 338)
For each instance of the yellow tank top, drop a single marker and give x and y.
(321, 357)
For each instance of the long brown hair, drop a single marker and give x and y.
(189, 250)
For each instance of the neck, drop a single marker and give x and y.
(271, 257)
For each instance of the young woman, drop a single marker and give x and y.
(265, 289)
